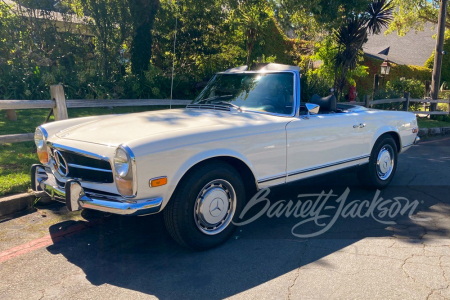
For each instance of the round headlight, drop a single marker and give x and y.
(39, 139)
(121, 163)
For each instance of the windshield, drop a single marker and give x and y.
(267, 92)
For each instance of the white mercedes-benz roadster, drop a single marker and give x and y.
(246, 130)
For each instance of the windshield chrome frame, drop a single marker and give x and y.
(296, 104)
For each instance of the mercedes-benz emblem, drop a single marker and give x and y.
(216, 207)
(60, 163)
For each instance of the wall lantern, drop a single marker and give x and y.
(385, 67)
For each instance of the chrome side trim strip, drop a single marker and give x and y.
(272, 178)
(89, 168)
(327, 165)
(408, 145)
(312, 169)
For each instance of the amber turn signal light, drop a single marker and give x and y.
(43, 156)
(124, 186)
(158, 181)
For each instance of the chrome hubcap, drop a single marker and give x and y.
(385, 162)
(215, 206)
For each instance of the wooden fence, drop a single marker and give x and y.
(58, 107)
(406, 100)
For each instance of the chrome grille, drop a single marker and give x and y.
(81, 167)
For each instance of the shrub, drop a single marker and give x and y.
(415, 87)
(396, 89)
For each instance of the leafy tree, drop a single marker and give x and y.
(312, 19)
(326, 51)
(205, 42)
(124, 48)
(109, 19)
(414, 14)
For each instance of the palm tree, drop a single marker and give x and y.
(351, 37)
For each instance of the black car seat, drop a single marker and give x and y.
(327, 104)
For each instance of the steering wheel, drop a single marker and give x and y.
(275, 107)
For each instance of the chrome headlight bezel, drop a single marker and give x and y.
(124, 163)
(40, 138)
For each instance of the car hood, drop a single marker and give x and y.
(118, 129)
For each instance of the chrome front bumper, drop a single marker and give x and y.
(76, 198)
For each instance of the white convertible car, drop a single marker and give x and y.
(246, 130)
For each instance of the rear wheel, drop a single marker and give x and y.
(380, 170)
(200, 213)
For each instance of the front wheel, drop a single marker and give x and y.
(200, 213)
(380, 170)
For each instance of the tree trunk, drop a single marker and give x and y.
(141, 48)
(143, 13)
(251, 38)
(437, 68)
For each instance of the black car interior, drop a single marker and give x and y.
(328, 105)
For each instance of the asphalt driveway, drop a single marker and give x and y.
(50, 253)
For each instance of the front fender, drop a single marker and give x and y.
(382, 130)
(198, 158)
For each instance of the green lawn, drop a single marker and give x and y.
(427, 123)
(16, 159)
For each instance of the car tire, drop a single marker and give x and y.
(200, 213)
(380, 170)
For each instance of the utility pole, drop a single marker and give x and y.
(436, 78)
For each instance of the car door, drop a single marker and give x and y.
(322, 143)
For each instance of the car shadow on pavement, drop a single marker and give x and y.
(138, 253)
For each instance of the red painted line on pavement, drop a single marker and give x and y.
(45, 241)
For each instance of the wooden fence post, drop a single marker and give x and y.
(60, 110)
(448, 106)
(406, 103)
(11, 114)
(366, 101)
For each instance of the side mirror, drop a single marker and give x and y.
(313, 109)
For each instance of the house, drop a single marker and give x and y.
(63, 22)
(412, 49)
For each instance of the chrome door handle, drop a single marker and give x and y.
(359, 125)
